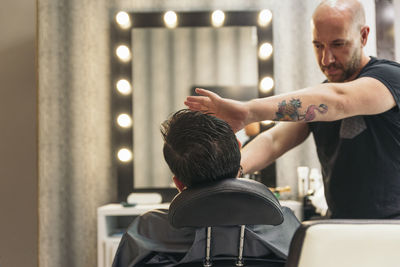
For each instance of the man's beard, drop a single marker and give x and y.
(349, 70)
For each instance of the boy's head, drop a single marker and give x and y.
(200, 148)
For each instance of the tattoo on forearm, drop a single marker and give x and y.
(290, 111)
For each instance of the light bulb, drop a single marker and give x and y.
(123, 20)
(124, 87)
(171, 19)
(264, 17)
(266, 122)
(124, 155)
(265, 51)
(123, 53)
(124, 120)
(217, 18)
(266, 85)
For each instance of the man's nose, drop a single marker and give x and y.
(327, 57)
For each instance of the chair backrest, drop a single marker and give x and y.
(236, 201)
(346, 243)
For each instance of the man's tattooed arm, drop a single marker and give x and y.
(290, 111)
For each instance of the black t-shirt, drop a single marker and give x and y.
(362, 174)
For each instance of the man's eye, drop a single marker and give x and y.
(338, 44)
(318, 46)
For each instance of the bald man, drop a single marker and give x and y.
(354, 117)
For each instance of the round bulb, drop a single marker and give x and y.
(217, 18)
(124, 87)
(124, 120)
(123, 20)
(266, 122)
(171, 19)
(265, 51)
(123, 53)
(264, 18)
(124, 155)
(266, 85)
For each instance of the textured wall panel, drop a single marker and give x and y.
(75, 168)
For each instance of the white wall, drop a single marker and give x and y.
(369, 8)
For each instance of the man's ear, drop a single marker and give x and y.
(179, 185)
(364, 35)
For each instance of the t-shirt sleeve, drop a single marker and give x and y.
(389, 75)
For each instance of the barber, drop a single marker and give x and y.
(354, 117)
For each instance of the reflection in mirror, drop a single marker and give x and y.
(167, 63)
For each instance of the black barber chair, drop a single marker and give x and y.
(232, 202)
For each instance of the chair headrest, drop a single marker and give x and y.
(234, 201)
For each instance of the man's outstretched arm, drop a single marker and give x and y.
(323, 102)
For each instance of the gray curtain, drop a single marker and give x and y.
(75, 159)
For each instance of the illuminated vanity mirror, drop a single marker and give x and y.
(167, 62)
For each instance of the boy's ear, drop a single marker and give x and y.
(239, 143)
(179, 185)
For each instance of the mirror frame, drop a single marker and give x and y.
(123, 137)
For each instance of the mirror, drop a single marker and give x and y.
(167, 65)
(162, 57)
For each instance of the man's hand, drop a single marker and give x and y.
(233, 112)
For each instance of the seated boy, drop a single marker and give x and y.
(199, 149)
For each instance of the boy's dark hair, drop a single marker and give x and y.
(200, 148)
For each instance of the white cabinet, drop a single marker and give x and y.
(112, 222)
